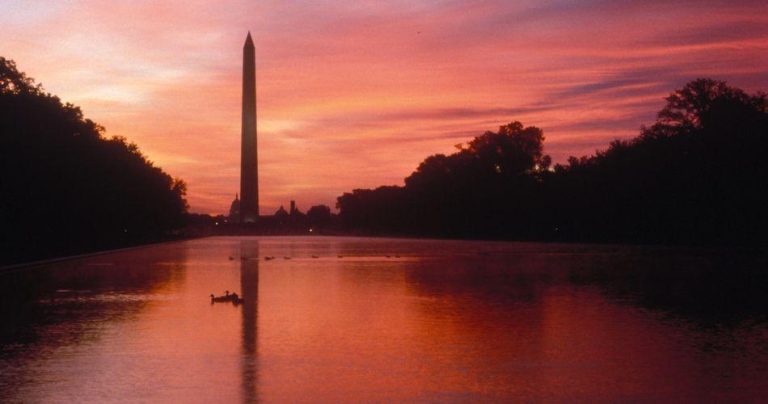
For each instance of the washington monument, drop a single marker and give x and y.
(249, 161)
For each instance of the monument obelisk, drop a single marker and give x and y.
(249, 162)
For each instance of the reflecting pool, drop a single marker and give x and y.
(367, 319)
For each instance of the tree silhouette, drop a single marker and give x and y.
(696, 175)
(690, 106)
(319, 216)
(65, 187)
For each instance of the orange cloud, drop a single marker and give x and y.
(356, 94)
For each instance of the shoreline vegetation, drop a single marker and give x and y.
(695, 177)
(66, 188)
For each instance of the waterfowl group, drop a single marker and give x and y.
(228, 297)
(271, 257)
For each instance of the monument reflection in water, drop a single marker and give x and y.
(386, 319)
(249, 287)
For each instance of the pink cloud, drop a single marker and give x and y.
(356, 94)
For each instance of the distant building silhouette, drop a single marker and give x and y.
(283, 215)
(296, 217)
(281, 212)
(234, 211)
(249, 166)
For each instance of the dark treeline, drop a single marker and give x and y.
(696, 176)
(66, 188)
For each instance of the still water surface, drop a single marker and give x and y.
(386, 320)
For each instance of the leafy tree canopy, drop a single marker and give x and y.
(66, 188)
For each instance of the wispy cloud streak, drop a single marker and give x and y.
(356, 94)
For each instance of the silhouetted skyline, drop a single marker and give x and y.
(694, 176)
(356, 96)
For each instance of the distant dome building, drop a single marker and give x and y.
(234, 210)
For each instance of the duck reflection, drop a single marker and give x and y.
(249, 287)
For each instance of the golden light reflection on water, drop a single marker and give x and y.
(396, 320)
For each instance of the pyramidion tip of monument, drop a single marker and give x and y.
(248, 40)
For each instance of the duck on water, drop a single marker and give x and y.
(228, 297)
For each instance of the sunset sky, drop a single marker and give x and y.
(354, 94)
